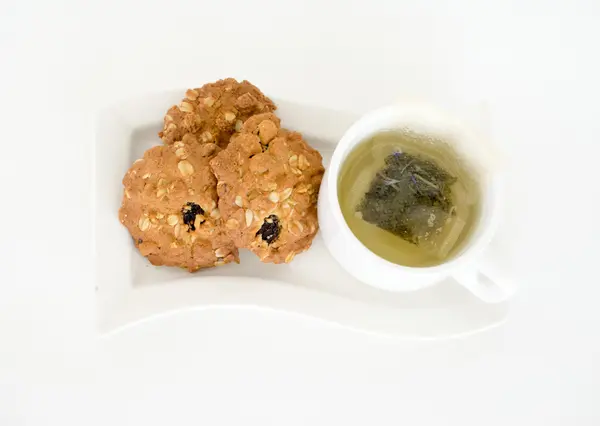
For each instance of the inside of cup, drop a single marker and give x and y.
(432, 124)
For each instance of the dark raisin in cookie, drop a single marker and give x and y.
(268, 182)
(170, 207)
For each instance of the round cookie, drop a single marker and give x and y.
(170, 207)
(268, 182)
(214, 111)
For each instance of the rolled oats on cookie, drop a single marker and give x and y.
(214, 112)
(268, 182)
(170, 207)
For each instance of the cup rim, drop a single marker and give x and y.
(489, 216)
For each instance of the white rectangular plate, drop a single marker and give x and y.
(129, 289)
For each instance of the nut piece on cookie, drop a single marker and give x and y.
(170, 207)
(215, 111)
(268, 182)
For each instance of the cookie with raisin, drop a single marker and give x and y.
(268, 182)
(170, 207)
(214, 111)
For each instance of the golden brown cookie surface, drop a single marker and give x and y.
(170, 207)
(268, 182)
(214, 111)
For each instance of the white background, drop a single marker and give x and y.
(533, 63)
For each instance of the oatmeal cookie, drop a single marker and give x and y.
(170, 207)
(214, 111)
(268, 181)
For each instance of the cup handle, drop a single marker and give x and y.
(486, 281)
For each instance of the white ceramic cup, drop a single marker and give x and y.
(465, 266)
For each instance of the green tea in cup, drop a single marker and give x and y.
(409, 198)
